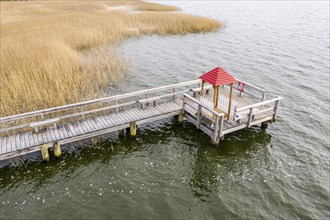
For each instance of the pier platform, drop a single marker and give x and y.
(26, 133)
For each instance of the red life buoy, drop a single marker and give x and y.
(241, 86)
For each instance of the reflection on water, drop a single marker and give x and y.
(214, 166)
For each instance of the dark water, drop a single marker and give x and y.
(172, 170)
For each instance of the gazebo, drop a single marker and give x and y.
(217, 77)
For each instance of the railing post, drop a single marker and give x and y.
(250, 118)
(199, 116)
(276, 105)
(81, 110)
(221, 126)
(216, 129)
(234, 115)
(174, 97)
(116, 103)
(42, 116)
(263, 98)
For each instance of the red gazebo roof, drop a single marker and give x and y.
(217, 76)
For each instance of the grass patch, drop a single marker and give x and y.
(43, 43)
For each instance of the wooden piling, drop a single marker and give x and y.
(180, 118)
(57, 149)
(133, 129)
(44, 152)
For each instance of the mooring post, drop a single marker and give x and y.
(57, 149)
(44, 152)
(133, 129)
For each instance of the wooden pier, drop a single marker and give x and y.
(26, 133)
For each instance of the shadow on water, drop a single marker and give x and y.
(216, 169)
(109, 148)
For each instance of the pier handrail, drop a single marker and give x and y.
(106, 99)
(258, 104)
(216, 129)
(252, 86)
(199, 103)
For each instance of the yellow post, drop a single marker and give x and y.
(217, 98)
(180, 118)
(57, 149)
(133, 129)
(202, 89)
(44, 152)
(230, 97)
(214, 97)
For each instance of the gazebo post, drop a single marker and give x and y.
(230, 97)
(202, 88)
(217, 98)
(214, 96)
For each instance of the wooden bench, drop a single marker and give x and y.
(154, 100)
(197, 90)
(35, 125)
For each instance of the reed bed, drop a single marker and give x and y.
(43, 45)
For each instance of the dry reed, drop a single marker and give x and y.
(42, 45)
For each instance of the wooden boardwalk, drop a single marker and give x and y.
(25, 133)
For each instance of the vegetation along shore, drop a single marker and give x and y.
(43, 45)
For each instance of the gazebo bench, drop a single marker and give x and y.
(196, 90)
(153, 100)
(36, 125)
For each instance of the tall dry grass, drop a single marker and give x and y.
(42, 43)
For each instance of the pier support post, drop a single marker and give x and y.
(44, 152)
(180, 118)
(121, 132)
(133, 129)
(57, 149)
(264, 125)
(215, 141)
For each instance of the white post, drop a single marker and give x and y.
(183, 103)
(116, 103)
(174, 95)
(221, 126)
(250, 118)
(81, 110)
(276, 105)
(216, 129)
(234, 112)
(264, 96)
(199, 116)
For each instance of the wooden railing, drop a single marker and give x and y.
(83, 109)
(268, 108)
(251, 90)
(214, 126)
